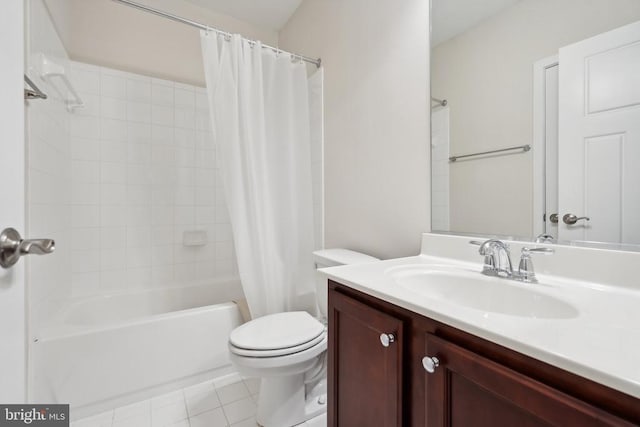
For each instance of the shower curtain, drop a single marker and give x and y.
(259, 103)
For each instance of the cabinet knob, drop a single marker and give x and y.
(430, 364)
(387, 339)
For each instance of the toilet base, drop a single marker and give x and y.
(285, 402)
(293, 386)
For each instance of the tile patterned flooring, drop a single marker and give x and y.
(229, 401)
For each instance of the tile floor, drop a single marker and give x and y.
(229, 401)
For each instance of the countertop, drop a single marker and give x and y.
(600, 342)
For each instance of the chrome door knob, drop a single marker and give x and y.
(553, 218)
(12, 247)
(430, 363)
(571, 219)
(387, 339)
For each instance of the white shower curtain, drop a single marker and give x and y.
(259, 103)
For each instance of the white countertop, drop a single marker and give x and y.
(602, 342)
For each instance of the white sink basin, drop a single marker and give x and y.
(480, 292)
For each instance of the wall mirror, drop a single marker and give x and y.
(536, 119)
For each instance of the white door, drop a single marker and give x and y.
(599, 134)
(12, 202)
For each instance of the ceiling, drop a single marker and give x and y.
(271, 14)
(452, 17)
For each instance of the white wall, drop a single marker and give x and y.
(105, 33)
(143, 172)
(376, 118)
(486, 75)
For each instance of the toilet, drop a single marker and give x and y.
(288, 352)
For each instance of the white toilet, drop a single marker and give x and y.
(288, 352)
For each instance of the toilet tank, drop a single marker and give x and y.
(331, 258)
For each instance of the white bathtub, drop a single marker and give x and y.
(106, 351)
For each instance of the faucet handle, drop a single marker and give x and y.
(526, 272)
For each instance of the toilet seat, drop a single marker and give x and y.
(276, 352)
(273, 366)
(276, 335)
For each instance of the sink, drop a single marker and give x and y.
(474, 290)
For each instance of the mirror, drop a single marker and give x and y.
(536, 119)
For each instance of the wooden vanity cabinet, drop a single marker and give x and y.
(366, 373)
(476, 383)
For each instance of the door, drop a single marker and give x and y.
(365, 365)
(12, 202)
(465, 389)
(600, 137)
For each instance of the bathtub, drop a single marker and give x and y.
(106, 351)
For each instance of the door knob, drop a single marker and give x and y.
(553, 218)
(387, 339)
(430, 363)
(12, 247)
(571, 219)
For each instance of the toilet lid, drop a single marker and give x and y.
(277, 331)
(322, 338)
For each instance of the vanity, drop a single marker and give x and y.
(430, 341)
(534, 121)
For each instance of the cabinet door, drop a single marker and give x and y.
(469, 390)
(365, 376)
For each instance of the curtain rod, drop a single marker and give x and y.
(316, 62)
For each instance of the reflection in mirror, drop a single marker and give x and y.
(536, 118)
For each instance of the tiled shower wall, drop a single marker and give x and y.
(48, 175)
(143, 172)
(440, 169)
(118, 182)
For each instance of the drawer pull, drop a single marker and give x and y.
(430, 364)
(387, 339)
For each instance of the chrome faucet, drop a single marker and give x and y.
(497, 260)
